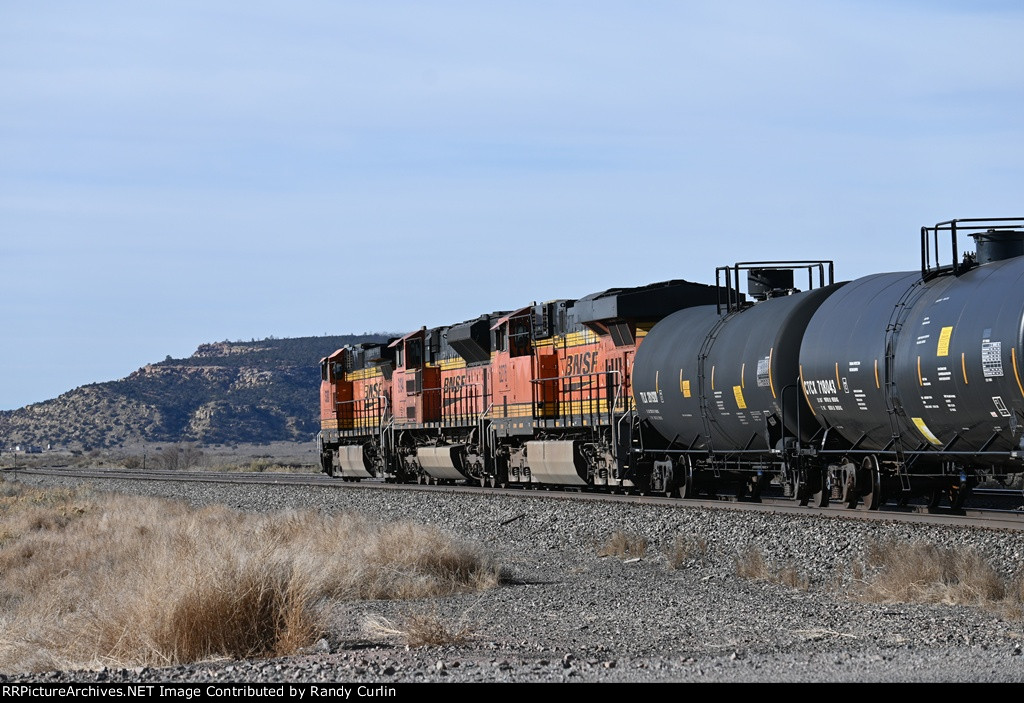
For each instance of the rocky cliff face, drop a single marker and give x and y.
(226, 392)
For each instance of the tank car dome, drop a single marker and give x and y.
(996, 245)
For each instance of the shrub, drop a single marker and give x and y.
(129, 581)
(623, 545)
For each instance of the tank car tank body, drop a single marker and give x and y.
(916, 377)
(889, 386)
(720, 383)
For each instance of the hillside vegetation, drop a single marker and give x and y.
(226, 392)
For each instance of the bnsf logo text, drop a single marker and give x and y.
(454, 384)
(578, 364)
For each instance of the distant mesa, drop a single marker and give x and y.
(226, 392)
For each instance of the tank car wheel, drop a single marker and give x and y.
(752, 488)
(871, 477)
(800, 491)
(684, 483)
(821, 497)
(957, 494)
(850, 497)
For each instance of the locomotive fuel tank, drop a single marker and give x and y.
(724, 383)
(933, 363)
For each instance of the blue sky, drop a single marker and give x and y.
(174, 173)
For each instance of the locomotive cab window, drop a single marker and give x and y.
(413, 353)
(519, 336)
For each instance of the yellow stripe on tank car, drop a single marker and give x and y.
(804, 389)
(923, 429)
(920, 380)
(963, 366)
(877, 384)
(839, 384)
(1016, 374)
(743, 369)
(771, 382)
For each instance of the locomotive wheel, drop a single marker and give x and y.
(872, 481)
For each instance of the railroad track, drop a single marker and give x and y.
(991, 515)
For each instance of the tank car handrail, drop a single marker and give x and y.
(732, 302)
(966, 224)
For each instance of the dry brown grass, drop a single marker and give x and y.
(925, 573)
(752, 565)
(419, 629)
(910, 573)
(624, 546)
(685, 550)
(127, 581)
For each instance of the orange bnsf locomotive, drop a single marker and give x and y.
(538, 395)
(891, 386)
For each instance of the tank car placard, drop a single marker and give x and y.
(991, 359)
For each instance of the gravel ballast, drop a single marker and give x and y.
(569, 614)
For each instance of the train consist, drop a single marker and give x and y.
(888, 387)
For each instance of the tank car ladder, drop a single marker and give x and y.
(707, 417)
(892, 406)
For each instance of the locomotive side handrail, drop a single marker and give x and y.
(590, 397)
(367, 410)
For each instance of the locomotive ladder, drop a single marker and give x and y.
(893, 409)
